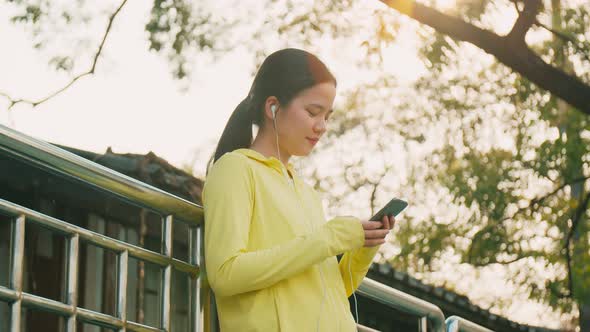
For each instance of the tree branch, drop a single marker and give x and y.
(567, 246)
(13, 102)
(536, 202)
(518, 10)
(375, 185)
(508, 262)
(578, 46)
(526, 18)
(509, 50)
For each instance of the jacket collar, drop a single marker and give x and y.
(270, 161)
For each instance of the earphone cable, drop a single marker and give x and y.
(356, 309)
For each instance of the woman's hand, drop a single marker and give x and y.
(376, 231)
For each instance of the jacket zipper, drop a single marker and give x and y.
(291, 182)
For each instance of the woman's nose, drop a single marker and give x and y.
(320, 126)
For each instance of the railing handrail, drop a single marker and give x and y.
(458, 324)
(362, 328)
(405, 302)
(53, 158)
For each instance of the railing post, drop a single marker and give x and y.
(72, 299)
(122, 289)
(195, 283)
(16, 281)
(423, 324)
(166, 280)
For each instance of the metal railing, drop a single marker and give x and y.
(457, 324)
(54, 159)
(362, 328)
(403, 302)
(48, 157)
(74, 235)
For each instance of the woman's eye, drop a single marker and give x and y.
(313, 115)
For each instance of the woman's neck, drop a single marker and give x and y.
(268, 148)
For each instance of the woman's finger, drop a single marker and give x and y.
(392, 222)
(374, 242)
(386, 222)
(369, 224)
(376, 233)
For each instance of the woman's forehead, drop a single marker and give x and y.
(321, 94)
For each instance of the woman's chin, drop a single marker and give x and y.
(303, 152)
(308, 151)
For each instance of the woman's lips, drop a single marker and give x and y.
(312, 141)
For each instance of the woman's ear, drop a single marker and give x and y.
(271, 102)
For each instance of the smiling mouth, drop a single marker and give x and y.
(313, 141)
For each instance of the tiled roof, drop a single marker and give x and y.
(150, 169)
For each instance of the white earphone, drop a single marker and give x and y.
(273, 109)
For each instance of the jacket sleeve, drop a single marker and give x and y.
(228, 202)
(360, 259)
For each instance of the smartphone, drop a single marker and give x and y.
(394, 207)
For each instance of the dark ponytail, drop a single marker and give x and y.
(283, 74)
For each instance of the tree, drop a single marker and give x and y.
(526, 197)
(492, 180)
(512, 49)
(497, 184)
(487, 179)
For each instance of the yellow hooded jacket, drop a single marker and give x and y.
(270, 253)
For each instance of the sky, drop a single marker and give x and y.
(133, 105)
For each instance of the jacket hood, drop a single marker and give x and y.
(270, 161)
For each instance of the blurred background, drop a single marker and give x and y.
(475, 111)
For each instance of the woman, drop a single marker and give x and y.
(269, 251)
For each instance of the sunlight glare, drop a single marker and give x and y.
(445, 5)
